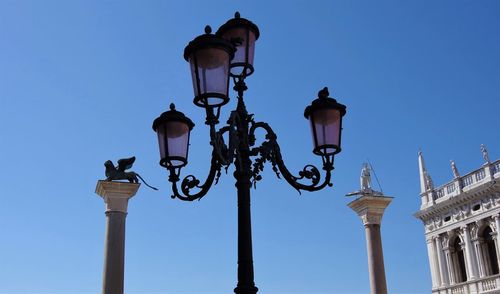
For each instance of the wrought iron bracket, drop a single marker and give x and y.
(240, 129)
(270, 151)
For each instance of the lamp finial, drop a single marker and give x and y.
(208, 29)
(323, 93)
(172, 106)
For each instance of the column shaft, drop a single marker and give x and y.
(116, 196)
(451, 271)
(436, 281)
(497, 238)
(114, 253)
(480, 263)
(375, 259)
(443, 270)
(370, 209)
(469, 254)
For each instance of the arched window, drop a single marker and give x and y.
(458, 262)
(489, 252)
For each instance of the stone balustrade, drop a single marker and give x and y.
(486, 173)
(484, 285)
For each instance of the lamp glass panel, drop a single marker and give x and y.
(173, 139)
(326, 125)
(240, 58)
(213, 74)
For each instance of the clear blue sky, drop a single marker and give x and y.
(82, 81)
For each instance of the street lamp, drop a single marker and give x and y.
(213, 59)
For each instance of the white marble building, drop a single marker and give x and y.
(462, 221)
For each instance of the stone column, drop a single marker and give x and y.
(443, 269)
(469, 255)
(479, 252)
(436, 279)
(497, 241)
(371, 210)
(116, 196)
(451, 270)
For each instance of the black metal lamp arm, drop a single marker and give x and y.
(191, 182)
(270, 151)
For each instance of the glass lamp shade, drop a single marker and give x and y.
(173, 129)
(209, 57)
(325, 116)
(242, 33)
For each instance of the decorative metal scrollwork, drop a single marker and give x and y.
(190, 182)
(240, 130)
(270, 151)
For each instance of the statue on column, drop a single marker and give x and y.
(486, 157)
(116, 173)
(366, 178)
(365, 181)
(454, 169)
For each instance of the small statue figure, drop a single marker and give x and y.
(454, 169)
(118, 173)
(366, 179)
(486, 157)
(366, 183)
(429, 184)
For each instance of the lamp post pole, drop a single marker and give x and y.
(213, 59)
(243, 176)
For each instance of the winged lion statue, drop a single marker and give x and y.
(116, 173)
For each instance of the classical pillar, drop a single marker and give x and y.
(469, 255)
(497, 236)
(443, 269)
(116, 196)
(436, 279)
(449, 262)
(458, 272)
(371, 210)
(479, 252)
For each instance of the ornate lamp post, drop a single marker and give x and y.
(213, 59)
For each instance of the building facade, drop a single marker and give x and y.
(462, 225)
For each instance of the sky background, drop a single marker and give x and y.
(82, 81)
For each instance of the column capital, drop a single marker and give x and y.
(116, 194)
(463, 246)
(445, 240)
(370, 208)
